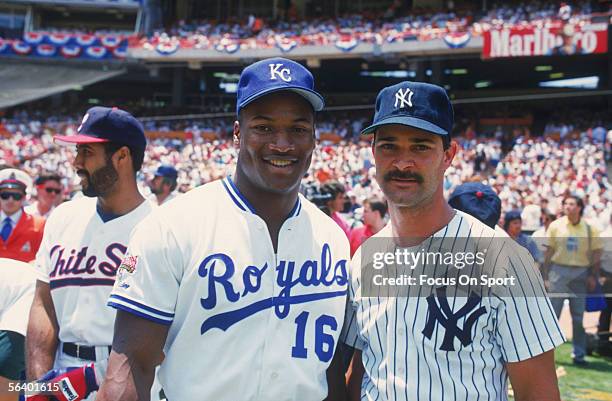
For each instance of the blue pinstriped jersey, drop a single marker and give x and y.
(443, 345)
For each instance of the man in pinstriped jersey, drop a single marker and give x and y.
(454, 343)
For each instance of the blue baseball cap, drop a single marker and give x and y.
(274, 75)
(166, 171)
(477, 200)
(415, 104)
(106, 124)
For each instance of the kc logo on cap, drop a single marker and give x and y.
(276, 71)
(273, 75)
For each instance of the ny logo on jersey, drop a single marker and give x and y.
(403, 98)
(276, 71)
(442, 313)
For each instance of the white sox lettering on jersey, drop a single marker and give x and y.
(447, 347)
(78, 257)
(268, 321)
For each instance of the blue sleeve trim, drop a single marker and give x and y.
(142, 306)
(139, 314)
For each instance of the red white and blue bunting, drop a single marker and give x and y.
(54, 45)
(457, 40)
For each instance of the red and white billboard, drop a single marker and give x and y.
(568, 39)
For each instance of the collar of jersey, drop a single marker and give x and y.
(244, 205)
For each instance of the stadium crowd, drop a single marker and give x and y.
(524, 169)
(391, 25)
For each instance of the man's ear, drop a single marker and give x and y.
(449, 154)
(122, 155)
(236, 134)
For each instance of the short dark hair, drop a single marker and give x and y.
(578, 200)
(333, 188)
(377, 205)
(137, 154)
(170, 181)
(48, 177)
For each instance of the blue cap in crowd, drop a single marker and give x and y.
(166, 171)
(477, 200)
(511, 215)
(106, 124)
(274, 75)
(415, 104)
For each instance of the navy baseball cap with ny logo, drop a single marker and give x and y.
(415, 104)
(106, 124)
(274, 75)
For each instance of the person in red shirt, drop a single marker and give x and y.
(20, 233)
(374, 213)
(335, 205)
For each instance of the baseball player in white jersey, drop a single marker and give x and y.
(437, 340)
(16, 294)
(246, 292)
(83, 245)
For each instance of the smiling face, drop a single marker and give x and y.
(276, 141)
(410, 164)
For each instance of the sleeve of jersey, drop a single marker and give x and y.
(526, 322)
(148, 278)
(350, 330)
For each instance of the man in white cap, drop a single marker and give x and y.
(20, 233)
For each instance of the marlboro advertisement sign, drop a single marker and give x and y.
(560, 39)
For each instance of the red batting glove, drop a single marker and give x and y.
(71, 384)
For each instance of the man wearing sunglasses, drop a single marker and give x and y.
(48, 195)
(20, 232)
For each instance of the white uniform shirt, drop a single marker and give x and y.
(78, 257)
(17, 283)
(245, 323)
(409, 354)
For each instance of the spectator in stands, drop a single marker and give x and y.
(513, 225)
(163, 184)
(571, 265)
(49, 192)
(20, 233)
(336, 204)
(477, 200)
(374, 214)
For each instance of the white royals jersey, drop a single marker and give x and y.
(246, 323)
(78, 257)
(17, 283)
(446, 347)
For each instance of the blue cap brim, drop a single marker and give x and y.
(408, 121)
(311, 96)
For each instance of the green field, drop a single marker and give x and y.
(593, 382)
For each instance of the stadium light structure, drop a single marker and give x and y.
(578, 83)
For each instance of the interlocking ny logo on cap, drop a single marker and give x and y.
(400, 97)
(275, 71)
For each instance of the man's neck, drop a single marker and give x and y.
(416, 224)
(122, 200)
(377, 226)
(42, 208)
(574, 220)
(161, 198)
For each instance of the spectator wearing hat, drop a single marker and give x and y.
(48, 195)
(163, 184)
(513, 225)
(478, 200)
(20, 232)
(374, 213)
(571, 265)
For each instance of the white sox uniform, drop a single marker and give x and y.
(446, 347)
(246, 323)
(79, 257)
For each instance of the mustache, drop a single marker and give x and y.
(403, 175)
